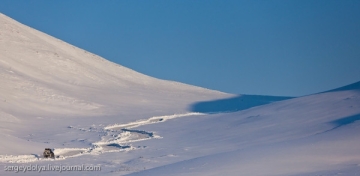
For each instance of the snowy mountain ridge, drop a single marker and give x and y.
(89, 110)
(56, 77)
(48, 84)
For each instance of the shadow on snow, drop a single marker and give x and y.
(346, 120)
(238, 103)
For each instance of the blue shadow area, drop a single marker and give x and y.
(234, 104)
(346, 120)
(354, 86)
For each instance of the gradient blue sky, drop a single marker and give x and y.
(284, 47)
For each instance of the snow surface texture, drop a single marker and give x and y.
(115, 138)
(47, 83)
(94, 112)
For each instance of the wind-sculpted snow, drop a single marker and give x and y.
(150, 121)
(117, 138)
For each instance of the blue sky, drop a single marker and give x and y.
(283, 47)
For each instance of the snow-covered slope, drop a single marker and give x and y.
(353, 86)
(310, 135)
(46, 82)
(50, 76)
(95, 112)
